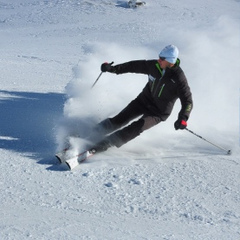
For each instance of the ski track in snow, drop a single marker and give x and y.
(161, 186)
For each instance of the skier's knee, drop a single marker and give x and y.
(150, 121)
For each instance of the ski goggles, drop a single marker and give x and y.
(162, 58)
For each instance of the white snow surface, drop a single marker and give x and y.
(165, 184)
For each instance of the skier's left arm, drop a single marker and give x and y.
(185, 97)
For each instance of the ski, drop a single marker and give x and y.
(75, 161)
(72, 159)
(62, 156)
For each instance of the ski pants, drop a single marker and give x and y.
(121, 132)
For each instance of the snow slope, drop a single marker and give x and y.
(163, 185)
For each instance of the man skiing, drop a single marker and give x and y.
(166, 84)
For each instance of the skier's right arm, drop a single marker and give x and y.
(139, 66)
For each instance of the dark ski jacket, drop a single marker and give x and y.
(163, 87)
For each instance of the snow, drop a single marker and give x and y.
(165, 184)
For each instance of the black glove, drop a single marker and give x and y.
(180, 124)
(107, 67)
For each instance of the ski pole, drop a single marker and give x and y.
(97, 79)
(100, 76)
(228, 151)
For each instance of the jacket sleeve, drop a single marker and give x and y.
(185, 97)
(138, 66)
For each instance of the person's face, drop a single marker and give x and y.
(163, 63)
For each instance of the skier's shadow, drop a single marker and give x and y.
(28, 121)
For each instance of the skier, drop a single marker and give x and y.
(166, 84)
